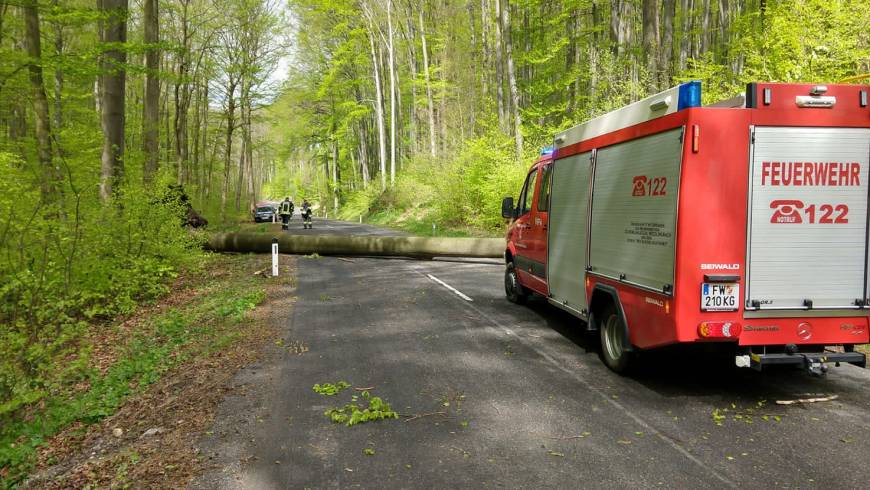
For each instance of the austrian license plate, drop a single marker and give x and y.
(719, 296)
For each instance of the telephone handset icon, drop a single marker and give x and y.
(639, 189)
(786, 211)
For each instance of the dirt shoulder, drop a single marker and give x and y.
(150, 442)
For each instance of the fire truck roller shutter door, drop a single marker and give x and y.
(634, 210)
(807, 230)
(566, 250)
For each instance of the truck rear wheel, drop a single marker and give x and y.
(614, 341)
(514, 291)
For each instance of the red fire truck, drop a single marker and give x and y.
(742, 222)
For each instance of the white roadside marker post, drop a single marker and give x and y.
(274, 257)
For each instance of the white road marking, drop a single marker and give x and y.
(448, 286)
(496, 326)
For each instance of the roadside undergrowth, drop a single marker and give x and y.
(206, 312)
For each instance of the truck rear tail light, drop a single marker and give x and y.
(719, 330)
(696, 138)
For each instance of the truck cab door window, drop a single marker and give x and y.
(522, 197)
(544, 195)
(528, 192)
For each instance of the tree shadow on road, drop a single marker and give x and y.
(696, 369)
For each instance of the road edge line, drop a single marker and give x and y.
(448, 286)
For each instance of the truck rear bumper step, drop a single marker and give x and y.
(814, 362)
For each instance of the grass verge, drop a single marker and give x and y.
(205, 313)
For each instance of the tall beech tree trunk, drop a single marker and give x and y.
(58, 74)
(666, 61)
(243, 168)
(429, 103)
(379, 109)
(197, 122)
(596, 37)
(499, 68)
(651, 41)
(391, 56)
(243, 103)
(114, 85)
(617, 42)
(165, 118)
(206, 176)
(412, 65)
(484, 48)
(228, 145)
(512, 79)
(33, 46)
(151, 102)
(249, 156)
(706, 32)
(335, 174)
(364, 160)
(182, 97)
(685, 34)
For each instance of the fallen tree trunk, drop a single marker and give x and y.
(357, 245)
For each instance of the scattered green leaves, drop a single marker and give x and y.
(745, 415)
(329, 389)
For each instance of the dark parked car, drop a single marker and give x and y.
(264, 213)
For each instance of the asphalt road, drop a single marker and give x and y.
(511, 396)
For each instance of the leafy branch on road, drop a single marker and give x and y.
(352, 414)
(329, 389)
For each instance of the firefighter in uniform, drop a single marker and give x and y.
(306, 214)
(286, 211)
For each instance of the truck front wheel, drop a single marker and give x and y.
(614, 341)
(514, 291)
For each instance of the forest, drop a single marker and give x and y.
(429, 112)
(116, 113)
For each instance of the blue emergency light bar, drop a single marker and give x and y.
(683, 96)
(548, 150)
(690, 95)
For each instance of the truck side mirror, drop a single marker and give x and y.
(507, 208)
